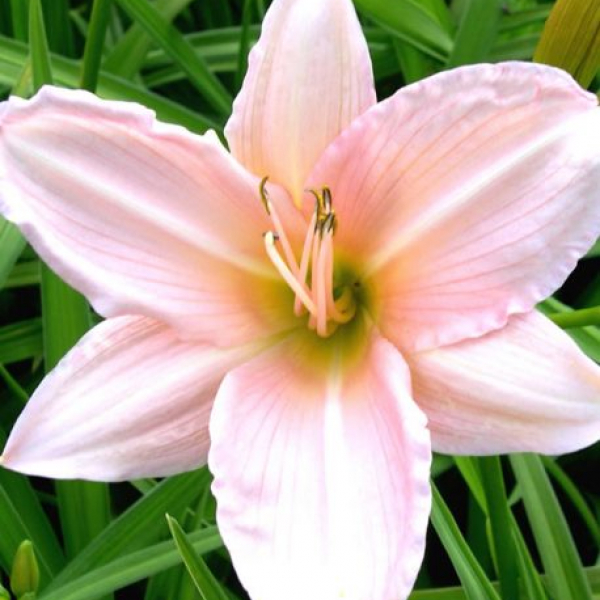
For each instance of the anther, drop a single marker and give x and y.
(327, 203)
(330, 222)
(264, 196)
(326, 312)
(319, 205)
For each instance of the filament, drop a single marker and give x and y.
(326, 312)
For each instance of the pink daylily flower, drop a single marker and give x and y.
(313, 346)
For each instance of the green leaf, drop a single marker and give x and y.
(457, 593)
(518, 49)
(220, 50)
(531, 579)
(414, 64)
(499, 516)
(11, 246)
(128, 54)
(21, 340)
(524, 18)
(562, 564)
(60, 35)
(574, 495)
(141, 523)
(40, 55)
(477, 586)
(470, 472)
(22, 517)
(410, 22)
(182, 53)
(214, 14)
(13, 56)
(441, 463)
(20, 19)
(594, 251)
(84, 508)
(66, 317)
(131, 568)
(588, 338)
(205, 582)
(476, 32)
(24, 274)
(92, 56)
(244, 44)
(440, 11)
(13, 385)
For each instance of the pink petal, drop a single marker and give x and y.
(128, 401)
(524, 388)
(142, 217)
(469, 196)
(309, 76)
(321, 476)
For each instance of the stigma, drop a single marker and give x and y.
(312, 278)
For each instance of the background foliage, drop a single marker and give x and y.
(498, 524)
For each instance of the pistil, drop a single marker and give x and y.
(326, 313)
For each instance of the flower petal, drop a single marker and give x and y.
(142, 217)
(128, 401)
(471, 196)
(308, 77)
(321, 477)
(524, 388)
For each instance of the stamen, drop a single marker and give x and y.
(314, 279)
(263, 193)
(320, 207)
(287, 247)
(325, 312)
(304, 260)
(344, 308)
(279, 230)
(327, 202)
(330, 223)
(287, 274)
(321, 285)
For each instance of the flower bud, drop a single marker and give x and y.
(25, 575)
(571, 39)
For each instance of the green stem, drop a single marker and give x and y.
(577, 318)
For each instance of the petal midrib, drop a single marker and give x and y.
(162, 219)
(435, 215)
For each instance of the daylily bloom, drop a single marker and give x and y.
(327, 327)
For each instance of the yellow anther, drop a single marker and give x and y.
(330, 222)
(264, 196)
(325, 215)
(327, 201)
(320, 207)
